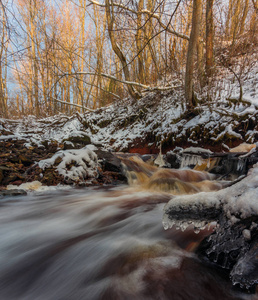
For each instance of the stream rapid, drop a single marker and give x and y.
(102, 243)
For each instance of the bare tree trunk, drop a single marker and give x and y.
(110, 21)
(196, 18)
(229, 17)
(3, 44)
(138, 39)
(32, 33)
(209, 37)
(243, 19)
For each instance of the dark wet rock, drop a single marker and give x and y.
(14, 192)
(149, 158)
(245, 271)
(108, 161)
(234, 248)
(173, 160)
(1, 176)
(78, 141)
(111, 169)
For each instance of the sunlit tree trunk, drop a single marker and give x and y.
(196, 19)
(116, 48)
(138, 39)
(209, 37)
(32, 35)
(3, 48)
(235, 20)
(229, 17)
(81, 52)
(243, 19)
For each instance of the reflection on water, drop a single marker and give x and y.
(106, 244)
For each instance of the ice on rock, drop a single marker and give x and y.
(237, 202)
(247, 234)
(197, 150)
(241, 164)
(193, 156)
(169, 222)
(188, 160)
(233, 243)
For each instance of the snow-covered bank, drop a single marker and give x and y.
(158, 117)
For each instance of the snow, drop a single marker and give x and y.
(197, 150)
(119, 125)
(237, 201)
(83, 163)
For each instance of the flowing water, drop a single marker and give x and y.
(101, 244)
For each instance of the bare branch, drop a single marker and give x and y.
(73, 104)
(147, 12)
(132, 83)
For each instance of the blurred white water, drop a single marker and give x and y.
(99, 244)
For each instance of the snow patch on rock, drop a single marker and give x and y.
(76, 164)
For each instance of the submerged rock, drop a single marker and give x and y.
(14, 192)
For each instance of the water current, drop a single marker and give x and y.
(101, 244)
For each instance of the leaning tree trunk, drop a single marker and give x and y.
(192, 46)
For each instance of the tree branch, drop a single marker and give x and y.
(149, 13)
(132, 83)
(73, 104)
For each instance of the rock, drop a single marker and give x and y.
(17, 182)
(12, 177)
(25, 160)
(111, 171)
(14, 192)
(1, 176)
(77, 140)
(109, 161)
(244, 147)
(173, 160)
(68, 145)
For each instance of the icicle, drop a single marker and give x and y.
(183, 225)
(159, 161)
(241, 165)
(208, 163)
(167, 222)
(188, 160)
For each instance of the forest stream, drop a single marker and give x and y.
(103, 243)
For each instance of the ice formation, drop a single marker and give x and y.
(239, 199)
(193, 156)
(233, 245)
